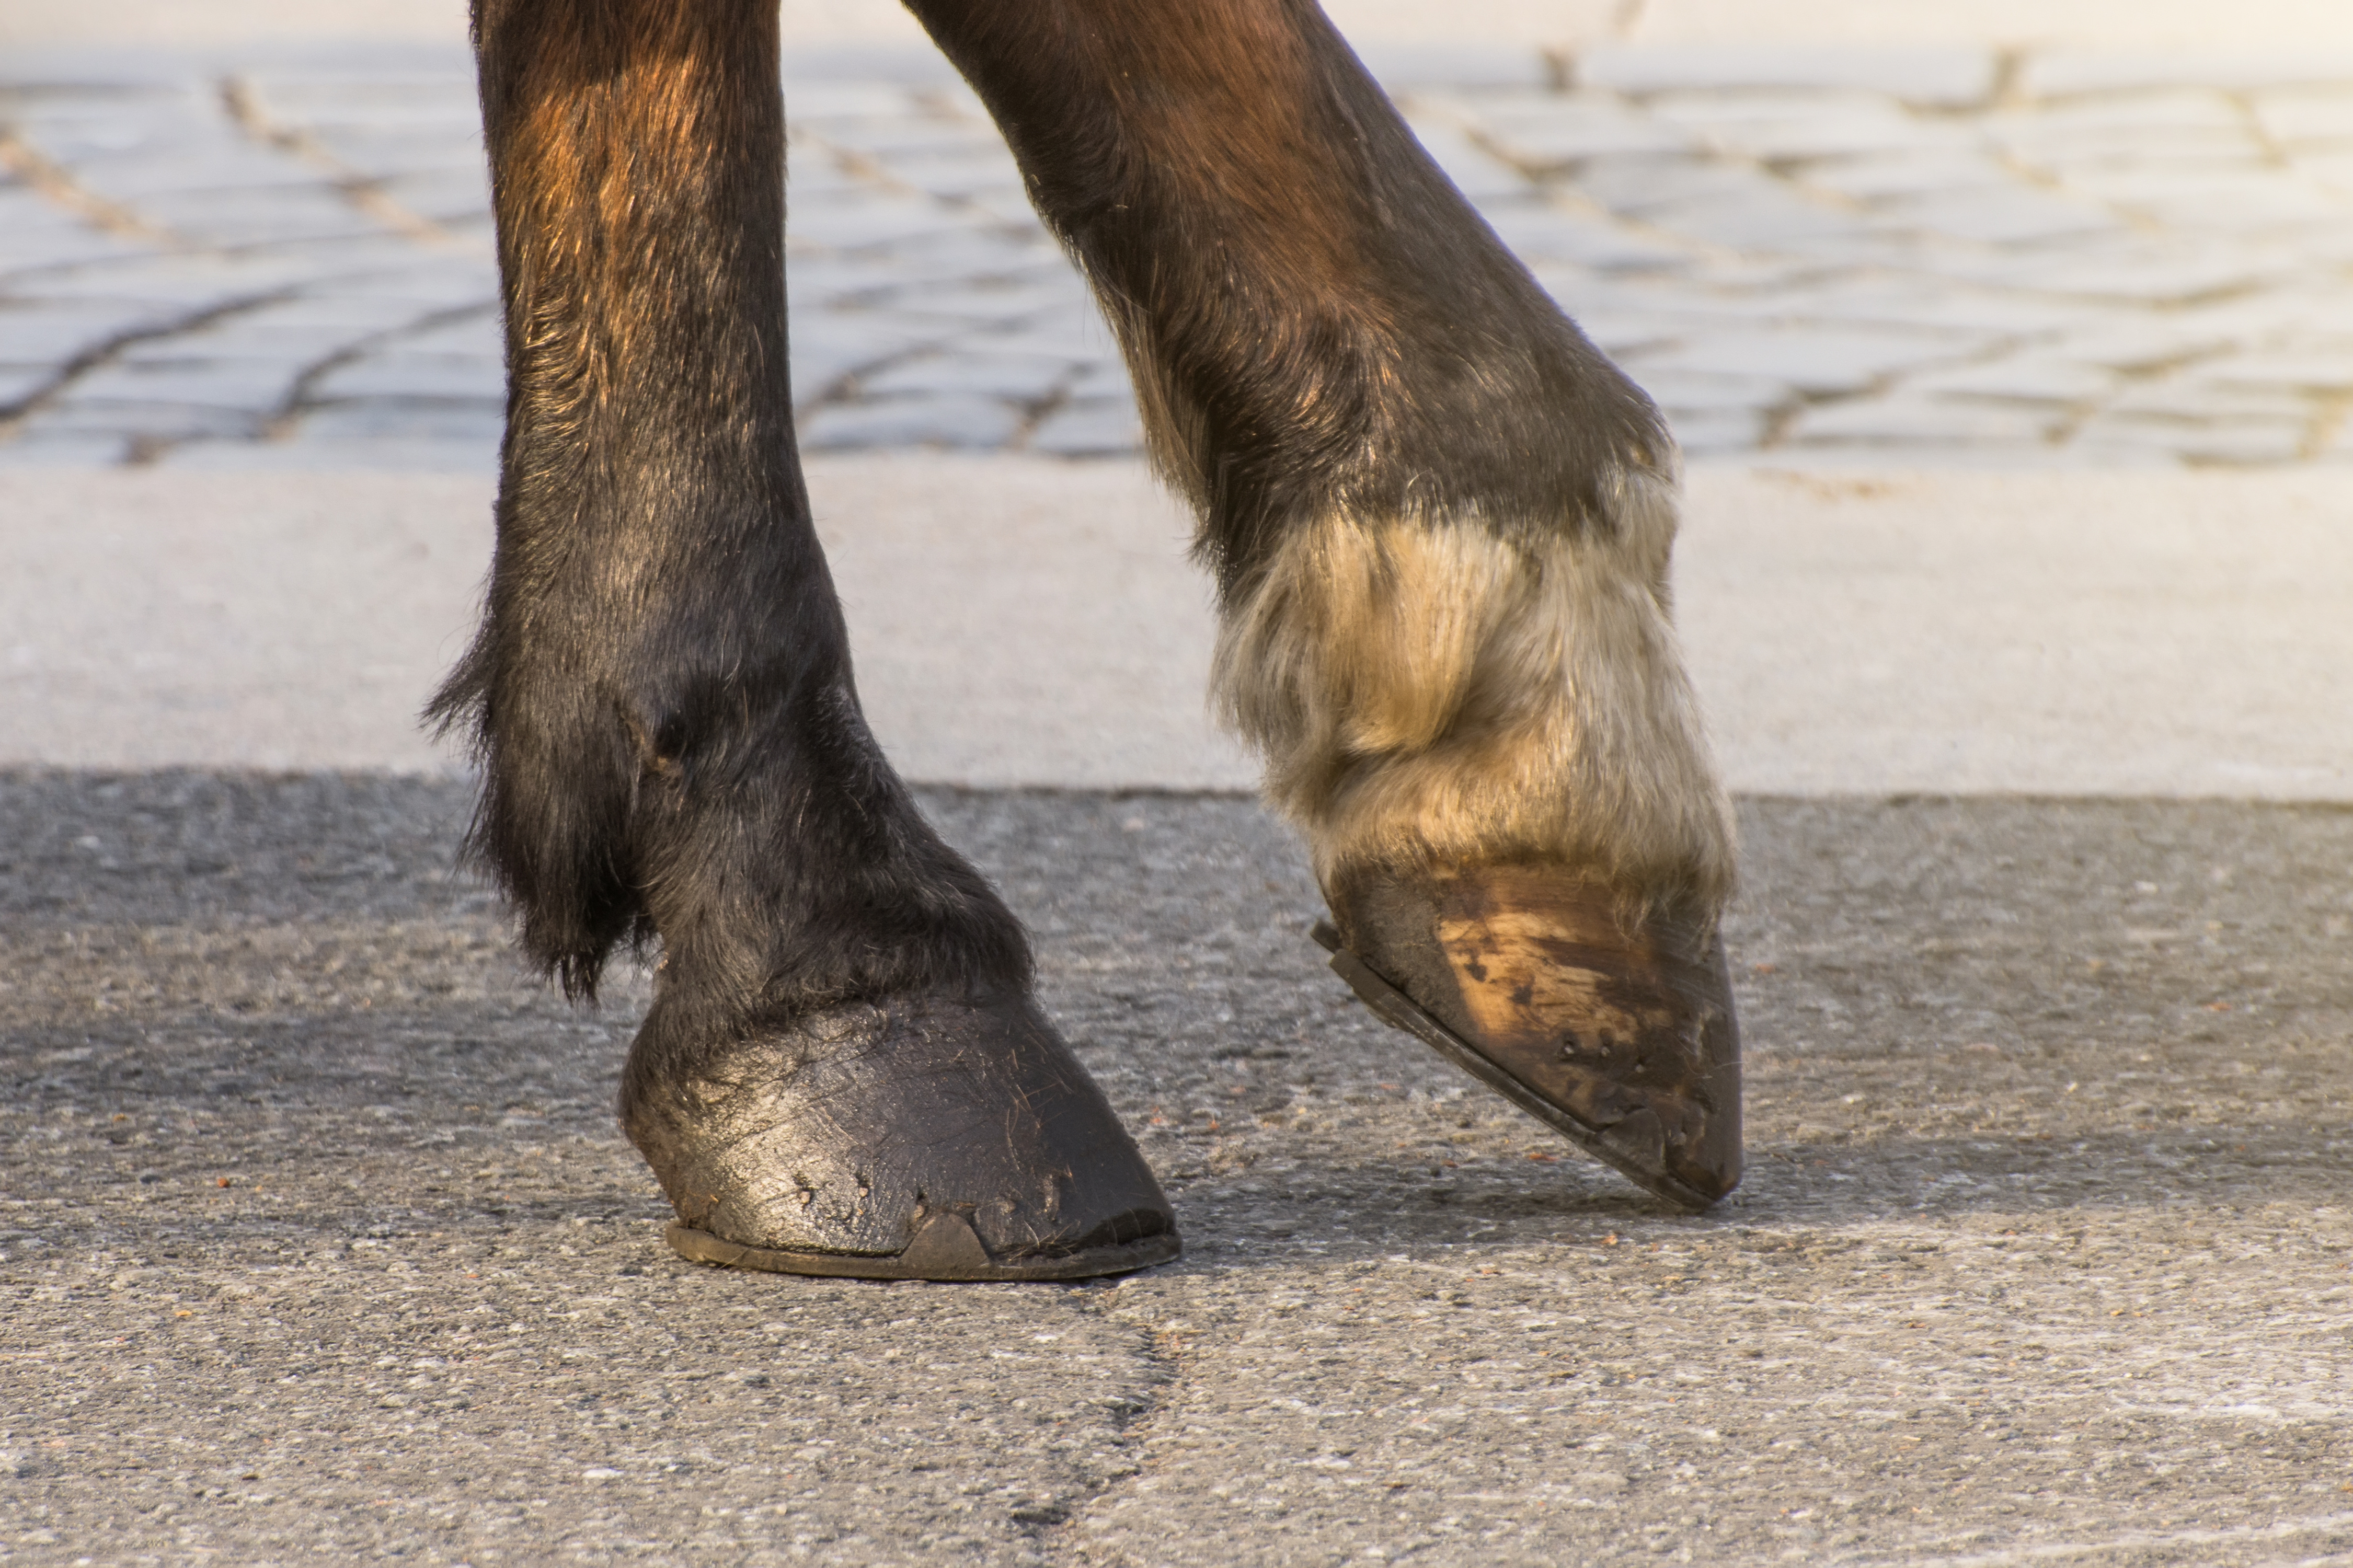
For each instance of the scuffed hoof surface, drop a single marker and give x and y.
(1621, 1037)
(919, 1138)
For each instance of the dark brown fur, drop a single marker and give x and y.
(661, 691)
(662, 694)
(1318, 320)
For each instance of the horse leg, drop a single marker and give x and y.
(1440, 521)
(843, 1070)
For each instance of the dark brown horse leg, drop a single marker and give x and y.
(843, 1070)
(1440, 521)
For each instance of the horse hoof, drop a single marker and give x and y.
(1620, 1035)
(929, 1137)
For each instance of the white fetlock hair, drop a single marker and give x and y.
(1433, 692)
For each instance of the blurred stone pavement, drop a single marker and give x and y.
(1946, 254)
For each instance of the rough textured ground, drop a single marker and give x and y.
(317, 1240)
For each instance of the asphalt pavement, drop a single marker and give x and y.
(321, 1244)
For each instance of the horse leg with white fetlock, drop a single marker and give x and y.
(843, 1070)
(1440, 521)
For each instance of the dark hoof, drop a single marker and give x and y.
(1624, 1040)
(929, 1137)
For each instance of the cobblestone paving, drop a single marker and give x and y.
(1945, 256)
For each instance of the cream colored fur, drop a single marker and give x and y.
(1425, 691)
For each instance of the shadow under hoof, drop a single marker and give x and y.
(947, 1250)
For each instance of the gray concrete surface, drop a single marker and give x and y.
(1022, 622)
(256, 255)
(318, 1242)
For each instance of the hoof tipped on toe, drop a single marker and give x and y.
(1619, 1034)
(929, 1137)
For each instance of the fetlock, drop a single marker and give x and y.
(1488, 740)
(1443, 691)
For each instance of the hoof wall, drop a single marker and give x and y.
(947, 1250)
(923, 1137)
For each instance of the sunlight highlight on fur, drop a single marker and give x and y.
(1430, 691)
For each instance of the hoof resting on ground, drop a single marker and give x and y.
(927, 1136)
